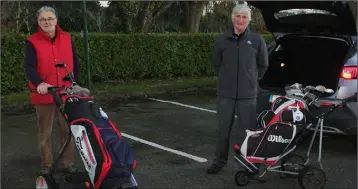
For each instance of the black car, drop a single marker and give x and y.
(313, 42)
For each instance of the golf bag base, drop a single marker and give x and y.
(106, 157)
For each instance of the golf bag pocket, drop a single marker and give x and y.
(268, 143)
(105, 154)
(122, 165)
(265, 118)
(295, 116)
(122, 156)
(90, 147)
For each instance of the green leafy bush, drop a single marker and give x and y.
(121, 57)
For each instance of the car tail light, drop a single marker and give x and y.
(349, 72)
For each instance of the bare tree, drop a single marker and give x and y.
(19, 15)
(148, 12)
(16, 9)
(99, 17)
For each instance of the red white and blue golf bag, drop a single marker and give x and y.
(277, 129)
(107, 158)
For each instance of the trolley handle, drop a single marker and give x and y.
(342, 102)
(52, 91)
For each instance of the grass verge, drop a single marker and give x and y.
(125, 90)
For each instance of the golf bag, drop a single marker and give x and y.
(108, 160)
(278, 128)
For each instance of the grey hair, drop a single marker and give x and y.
(46, 9)
(240, 8)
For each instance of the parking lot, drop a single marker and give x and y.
(174, 144)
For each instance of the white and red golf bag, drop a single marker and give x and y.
(277, 130)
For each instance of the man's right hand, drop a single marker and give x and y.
(42, 88)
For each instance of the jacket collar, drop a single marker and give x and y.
(230, 33)
(45, 35)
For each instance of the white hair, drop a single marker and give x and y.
(241, 8)
(46, 9)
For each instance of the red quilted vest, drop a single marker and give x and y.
(48, 54)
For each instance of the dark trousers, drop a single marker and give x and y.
(245, 110)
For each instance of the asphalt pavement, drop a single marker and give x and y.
(173, 143)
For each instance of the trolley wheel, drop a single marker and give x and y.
(312, 177)
(46, 182)
(242, 178)
(292, 163)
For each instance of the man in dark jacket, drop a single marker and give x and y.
(240, 60)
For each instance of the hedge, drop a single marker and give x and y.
(121, 57)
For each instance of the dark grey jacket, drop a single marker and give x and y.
(239, 64)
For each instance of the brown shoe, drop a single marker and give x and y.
(71, 168)
(44, 170)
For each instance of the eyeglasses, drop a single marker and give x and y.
(46, 19)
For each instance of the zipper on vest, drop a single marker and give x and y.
(238, 64)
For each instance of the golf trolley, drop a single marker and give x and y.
(285, 162)
(108, 160)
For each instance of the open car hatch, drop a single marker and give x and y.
(314, 17)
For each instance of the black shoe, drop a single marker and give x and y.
(214, 168)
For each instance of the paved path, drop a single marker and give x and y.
(172, 144)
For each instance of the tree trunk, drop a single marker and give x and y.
(142, 12)
(5, 16)
(155, 15)
(353, 6)
(193, 11)
(18, 16)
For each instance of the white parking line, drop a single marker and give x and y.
(185, 105)
(195, 158)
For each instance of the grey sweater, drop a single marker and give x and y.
(240, 62)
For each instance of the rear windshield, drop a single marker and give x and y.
(292, 12)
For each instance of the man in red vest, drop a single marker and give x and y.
(48, 46)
